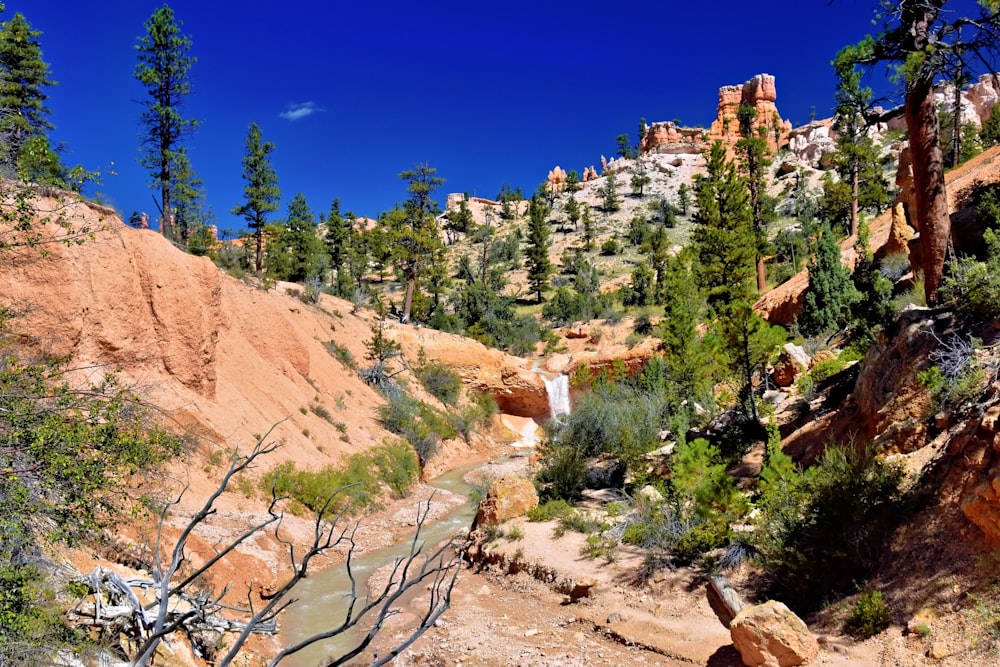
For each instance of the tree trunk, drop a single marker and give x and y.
(855, 190)
(761, 275)
(930, 196)
(411, 285)
(259, 253)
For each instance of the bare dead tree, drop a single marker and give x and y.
(366, 613)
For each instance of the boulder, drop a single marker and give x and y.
(507, 498)
(771, 635)
(604, 472)
(723, 599)
(982, 508)
(792, 361)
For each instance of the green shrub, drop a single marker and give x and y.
(636, 534)
(440, 382)
(826, 369)
(421, 425)
(341, 354)
(819, 531)
(581, 522)
(610, 248)
(562, 473)
(549, 510)
(974, 286)
(870, 615)
(357, 481)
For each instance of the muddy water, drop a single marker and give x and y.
(323, 598)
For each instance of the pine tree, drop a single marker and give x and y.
(573, 180)
(723, 230)
(684, 198)
(753, 151)
(857, 158)
(164, 69)
(337, 236)
(24, 76)
(640, 179)
(831, 293)
(610, 199)
(922, 41)
(588, 228)
(414, 238)
(261, 192)
(537, 260)
(189, 196)
(297, 253)
(572, 210)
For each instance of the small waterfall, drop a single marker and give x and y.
(557, 389)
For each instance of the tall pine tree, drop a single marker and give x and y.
(164, 69)
(723, 232)
(537, 254)
(261, 193)
(297, 253)
(25, 151)
(413, 235)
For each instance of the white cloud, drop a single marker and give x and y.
(300, 110)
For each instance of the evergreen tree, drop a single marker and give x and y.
(24, 76)
(537, 260)
(164, 69)
(689, 361)
(753, 150)
(640, 136)
(572, 180)
(572, 210)
(356, 258)
(874, 308)
(297, 254)
(922, 41)
(642, 290)
(725, 243)
(830, 293)
(610, 199)
(415, 238)
(640, 179)
(261, 192)
(857, 158)
(459, 221)
(624, 147)
(657, 250)
(189, 197)
(588, 228)
(664, 211)
(684, 198)
(337, 237)
(723, 234)
(989, 134)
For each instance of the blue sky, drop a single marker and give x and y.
(352, 93)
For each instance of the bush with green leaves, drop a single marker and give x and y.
(418, 423)
(562, 473)
(359, 480)
(819, 532)
(870, 616)
(974, 286)
(67, 453)
(440, 381)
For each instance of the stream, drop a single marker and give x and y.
(323, 597)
